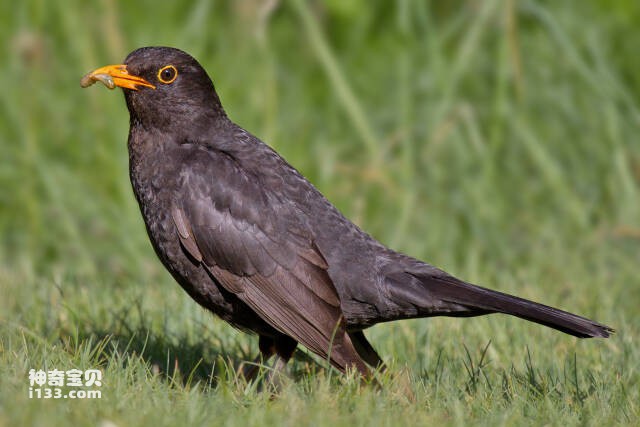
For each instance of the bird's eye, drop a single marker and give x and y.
(167, 74)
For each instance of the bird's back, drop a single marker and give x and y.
(357, 263)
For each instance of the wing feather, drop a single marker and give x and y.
(259, 248)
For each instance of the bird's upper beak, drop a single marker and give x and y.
(114, 75)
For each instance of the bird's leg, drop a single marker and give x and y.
(267, 346)
(284, 348)
(366, 350)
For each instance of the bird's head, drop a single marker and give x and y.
(162, 86)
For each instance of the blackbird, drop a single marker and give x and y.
(250, 239)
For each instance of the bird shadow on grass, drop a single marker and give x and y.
(181, 359)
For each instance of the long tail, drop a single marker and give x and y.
(435, 293)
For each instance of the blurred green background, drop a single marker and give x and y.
(495, 139)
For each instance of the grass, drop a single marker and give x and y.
(495, 139)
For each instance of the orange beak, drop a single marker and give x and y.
(114, 75)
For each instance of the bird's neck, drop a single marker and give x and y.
(144, 142)
(148, 145)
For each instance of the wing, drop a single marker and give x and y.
(259, 246)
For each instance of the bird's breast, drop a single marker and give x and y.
(154, 186)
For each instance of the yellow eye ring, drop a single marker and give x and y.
(167, 74)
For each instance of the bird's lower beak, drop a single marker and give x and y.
(114, 75)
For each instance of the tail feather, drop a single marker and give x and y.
(437, 293)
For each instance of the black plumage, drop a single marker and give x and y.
(249, 238)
